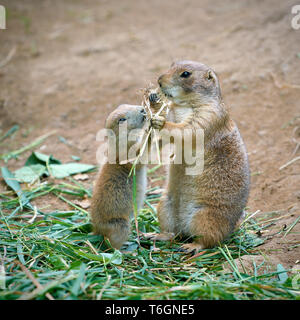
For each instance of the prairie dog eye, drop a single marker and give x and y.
(185, 74)
(209, 76)
(122, 120)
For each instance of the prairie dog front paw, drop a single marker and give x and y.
(154, 98)
(157, 122)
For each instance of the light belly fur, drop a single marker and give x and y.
(180, 114)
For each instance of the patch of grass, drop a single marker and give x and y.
(54, 255)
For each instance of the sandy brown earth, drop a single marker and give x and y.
(70, 63)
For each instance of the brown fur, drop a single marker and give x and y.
(206, 206)
(112, 202)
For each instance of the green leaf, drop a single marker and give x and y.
(2, 277)
(76, 158)
(56, 262)
(12, 182)
(117, 257)
(103, 257)
(85, 227)
(10, 179)
(65, 170)
(283, 274)
(20, 252)
(30, 173)
(40, 158)
(130, 246)
(76, 286)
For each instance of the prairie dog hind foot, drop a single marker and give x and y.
(191, 248)
(167, 236)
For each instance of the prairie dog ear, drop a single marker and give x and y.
(210, 76)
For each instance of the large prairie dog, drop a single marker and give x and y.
(205, 206)
(112, 201)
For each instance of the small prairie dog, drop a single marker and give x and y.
(112, 201)
(205, 206)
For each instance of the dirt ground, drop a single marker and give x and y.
(70, 63)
